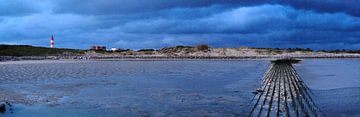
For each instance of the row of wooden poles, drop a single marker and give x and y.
(284, 93)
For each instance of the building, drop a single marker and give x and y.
(98, 48)
(114, 49)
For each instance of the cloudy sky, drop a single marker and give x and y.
(316, 24)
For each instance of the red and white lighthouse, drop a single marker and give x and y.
(52, 43)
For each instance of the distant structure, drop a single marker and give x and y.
(98, 48)
(114, 49)
(52, 43)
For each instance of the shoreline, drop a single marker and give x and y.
(137, 58)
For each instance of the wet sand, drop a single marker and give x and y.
(164, 88)
(130, 88)
(335, 84)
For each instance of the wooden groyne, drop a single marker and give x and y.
(283, 93)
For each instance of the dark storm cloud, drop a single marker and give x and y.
(330, 6)
(242, 20)
(100, 7)
(319, 24)
(17, 7)
(137, 6)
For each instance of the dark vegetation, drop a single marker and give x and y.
(123, 50)
(146, 50)
(203, 47)
(177, 49)
(341, 51)
(187, 49)
(26, 50)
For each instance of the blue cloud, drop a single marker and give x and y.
(18, 7)
(158, 23)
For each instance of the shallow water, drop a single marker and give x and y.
(164, 88)
(335, 84)
(130, 88)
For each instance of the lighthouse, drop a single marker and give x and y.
(52, 41)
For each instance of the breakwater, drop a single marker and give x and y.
(283, 93)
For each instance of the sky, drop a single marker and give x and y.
(136, 24)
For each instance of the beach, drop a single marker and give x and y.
(164, 88)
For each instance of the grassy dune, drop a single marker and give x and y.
(27, 50)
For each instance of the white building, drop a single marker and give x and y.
(114, 49)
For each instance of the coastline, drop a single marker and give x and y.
(157, 58)
(201, 52)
